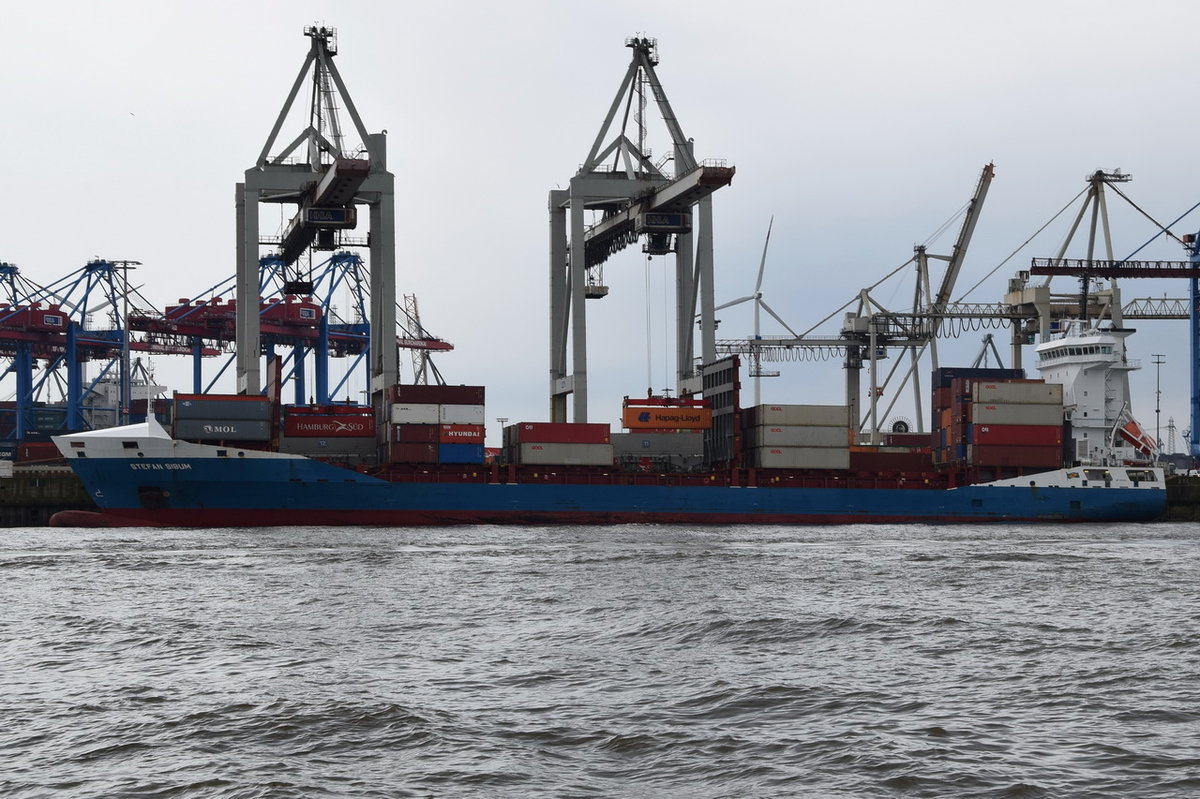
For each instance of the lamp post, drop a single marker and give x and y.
(1159, 360)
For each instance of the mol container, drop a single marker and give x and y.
(222, 429)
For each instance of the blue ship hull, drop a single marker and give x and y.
(206, 492)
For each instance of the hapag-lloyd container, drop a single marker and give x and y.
(799, 436)
(1022, 393)
(800, 458)
(550, 454)
(997, 413)
(809, 415)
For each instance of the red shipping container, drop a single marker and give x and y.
(1028, 457)
(1026, 435)
(413, 453)
(562, 433)
(460, 434)
(416, 433)
(435, 395)
(44, 452)
(329, 426)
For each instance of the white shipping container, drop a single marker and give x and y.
(1017, 393)
(415, 413)
(461, 414)
(997, 413)
(564, 454)
(799, 436)
(800, 458)
(808, 415)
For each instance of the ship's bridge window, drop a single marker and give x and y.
(129, 444)
(1140, 475)
(1095, 474)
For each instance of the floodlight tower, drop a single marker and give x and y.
(326, 182)
(634, 197)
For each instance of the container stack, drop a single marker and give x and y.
(998, 422)
(435, 424)
(558, 444)
(798, 437)
(230, 418)
(332, 431)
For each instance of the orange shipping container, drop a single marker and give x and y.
(667, 418)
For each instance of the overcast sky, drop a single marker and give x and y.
(860, 126)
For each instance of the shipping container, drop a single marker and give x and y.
(996, 413)
(336, 447)
(222, 429)
(412, 453)
(908, 439)
(44, 453)
(557, 433)
(347, 426)
(1020, 457)
(1015, 434)
(864, 459)
(943, 376)
(460, 434)
(1024, 393)
(798, 436)
(214, 407)
(550, 454)
(815, 415)
(415, 433)
(799, 458)
(460, 453)
(666, 418)
(415, 413)
(654, 444)
(460, 414)
(436, 395)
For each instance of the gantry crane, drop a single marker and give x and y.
(326, 183)
(634, 198)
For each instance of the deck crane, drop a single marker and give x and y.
(635, 198)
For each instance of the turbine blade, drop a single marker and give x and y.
(778, 318)
(762, 265)
(734, 302)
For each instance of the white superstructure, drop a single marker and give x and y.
(1092, 367)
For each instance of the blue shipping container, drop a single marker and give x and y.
(460, 453)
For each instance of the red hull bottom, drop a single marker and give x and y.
(308, 518)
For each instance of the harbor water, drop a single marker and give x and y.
(638, 661)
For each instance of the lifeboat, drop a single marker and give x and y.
(1131, 432)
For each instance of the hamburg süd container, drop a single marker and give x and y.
(329, 426)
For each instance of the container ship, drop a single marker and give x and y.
(1003, 449)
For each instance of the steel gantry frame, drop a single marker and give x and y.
(635, 198)
(326, 185)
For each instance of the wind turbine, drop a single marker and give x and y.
(756, 370)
